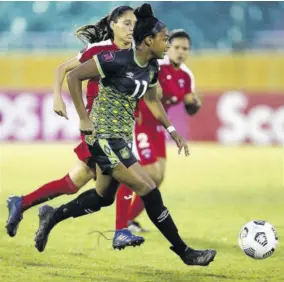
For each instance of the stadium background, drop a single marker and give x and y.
(238, 61)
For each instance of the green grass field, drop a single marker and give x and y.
(210, 195)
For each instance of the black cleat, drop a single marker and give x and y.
(124, 238)
(196, 257)
(14, 205)
(45, 225)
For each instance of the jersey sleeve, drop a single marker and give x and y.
(107, 63)
(88, 53)
(81, 52)
(155, 78)
(189, 80)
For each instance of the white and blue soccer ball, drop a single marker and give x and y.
(258, 239)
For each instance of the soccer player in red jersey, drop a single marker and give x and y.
(112, 33)
(178, 86)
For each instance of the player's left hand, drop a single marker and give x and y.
(181, 143)
(198, 100)
(193, 103)
(86, 126)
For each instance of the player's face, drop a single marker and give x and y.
(160, 44)
(179, 50)
(123, 27)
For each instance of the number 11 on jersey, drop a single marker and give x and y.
(138, 84)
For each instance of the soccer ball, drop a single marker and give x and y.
(258, 239)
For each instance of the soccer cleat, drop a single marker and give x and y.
(45, 225)
(124, 238)
(14, 205)
(196, 257)
(134, 226)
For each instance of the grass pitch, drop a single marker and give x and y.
(210, 195)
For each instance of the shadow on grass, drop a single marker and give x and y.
(86, 276)
(177, 276)
(39, 264)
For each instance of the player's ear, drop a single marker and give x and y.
(148, 40)
(111, 25)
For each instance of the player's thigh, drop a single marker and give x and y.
(135, 177)
(106, 185)
(115, 158)
(161, 150)
(154, 171)
(81, 174)
(162, 165)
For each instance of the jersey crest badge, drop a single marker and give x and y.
(108, 56)
(181, 83)
(125, 154)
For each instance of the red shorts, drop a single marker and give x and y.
(84, 155)
(150, 143)
(90, 101)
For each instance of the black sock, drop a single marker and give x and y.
(161, 217)
(88, 202)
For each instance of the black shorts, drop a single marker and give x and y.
(108, 153)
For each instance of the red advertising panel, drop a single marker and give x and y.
(231, 118)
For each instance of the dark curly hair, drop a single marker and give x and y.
(146, 25)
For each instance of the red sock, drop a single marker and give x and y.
(123, 201)
(49, 191)
(136, 208)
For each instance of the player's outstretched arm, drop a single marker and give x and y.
(59, 106)
(84, 71)
(155, 106)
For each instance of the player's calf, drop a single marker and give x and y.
(87, 202)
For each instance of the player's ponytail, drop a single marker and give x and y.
(95, 33)
(146, 25)
(101, 30)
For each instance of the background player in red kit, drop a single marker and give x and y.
(112, 33)
(178, 86)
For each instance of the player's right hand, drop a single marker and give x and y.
(181, 143)
(86, 126)
(59, 107)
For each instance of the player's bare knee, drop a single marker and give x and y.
(144, 187)
(156, 176)
(157, 179)
(160, 179)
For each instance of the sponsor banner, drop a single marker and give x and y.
(235, 118)
(28, 116)
(230, 118)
